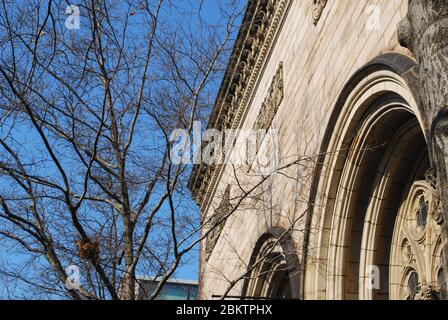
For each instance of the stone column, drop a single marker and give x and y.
(424, 31)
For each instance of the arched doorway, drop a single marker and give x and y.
(376, 155)
(274, 268)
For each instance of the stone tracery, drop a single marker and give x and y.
(414, 266)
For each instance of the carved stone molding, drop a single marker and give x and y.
(428, 293)
(431, 178)
(272, 101)
(424, 31)
(217, 222)
(318, 7)
(267, 112)
(259, 27)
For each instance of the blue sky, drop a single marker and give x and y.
(28, 141)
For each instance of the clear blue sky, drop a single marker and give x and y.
(189, 269)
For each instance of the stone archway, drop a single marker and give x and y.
(275, 268)
(387, 148)
(375, 151)
(403, 163)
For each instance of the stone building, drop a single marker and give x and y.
(354, 209)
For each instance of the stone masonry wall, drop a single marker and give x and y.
(317, 62)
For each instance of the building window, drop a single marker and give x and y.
(413, 285)
(422, 214)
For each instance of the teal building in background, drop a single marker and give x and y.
(174, 289)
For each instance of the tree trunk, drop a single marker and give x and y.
(424, 31)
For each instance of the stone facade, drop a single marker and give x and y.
(353, 206)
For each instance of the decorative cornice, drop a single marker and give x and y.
(259, 27)
(318, 8)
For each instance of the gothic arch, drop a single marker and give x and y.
(374, 152)
(275, 267)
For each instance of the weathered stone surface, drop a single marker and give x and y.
(319, 64)
(425, 32)
(427, 294)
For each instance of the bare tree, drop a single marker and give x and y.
(269, 200)
(86, 174)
